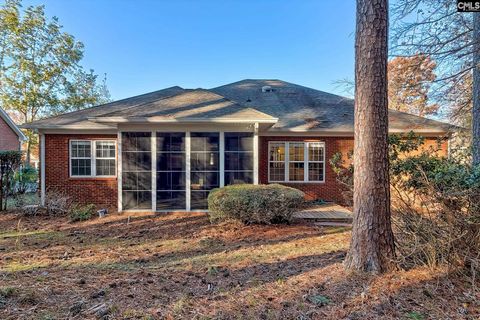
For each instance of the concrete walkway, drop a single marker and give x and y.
(328, 212)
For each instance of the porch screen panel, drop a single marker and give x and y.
(238, 157)
(171, 194)
(136, 170)
(204, 162)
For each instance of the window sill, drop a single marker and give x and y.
(298, 182)
(92, 178)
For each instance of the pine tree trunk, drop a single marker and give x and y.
(476, 91)
(372, 247)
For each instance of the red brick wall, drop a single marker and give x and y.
(8, 137)
(99, 191)
(329, 190)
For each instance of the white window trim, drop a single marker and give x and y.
(306, 161)
(93, 158)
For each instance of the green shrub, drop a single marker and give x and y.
(26, 179)
(264, 204)
(82, 213)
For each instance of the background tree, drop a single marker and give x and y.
(40, 74)
(436, 29)
(372, 246)
(409, 81)
(476, 91)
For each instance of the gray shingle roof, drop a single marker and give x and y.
(190, 105)
(301, 108)
(80, 118)
(297, 108)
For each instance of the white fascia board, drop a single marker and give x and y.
(184, 121)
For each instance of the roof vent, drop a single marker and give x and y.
(267, 89)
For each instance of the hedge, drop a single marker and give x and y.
(263, 204)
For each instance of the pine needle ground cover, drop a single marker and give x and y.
(179, 266)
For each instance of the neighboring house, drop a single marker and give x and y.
(165, 150)
(11, 137)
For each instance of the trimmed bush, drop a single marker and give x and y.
(263, 204)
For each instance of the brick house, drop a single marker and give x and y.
(165, 150)
(11, 137)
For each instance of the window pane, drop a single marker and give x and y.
(171, 161)
(204, 180)
(105, 149)
(238, 177)
(232, 161)
(167, 200)
(315, 171)
(277, 151)
(315, 152)
(137, 161)
(129, 180)
(170, 141)
(81, 149)
(136, 141)
(296, 151)
(201, 161)
(238, 141)
(81, 167)
(277, 171)
(204, 141)
(105, 167)
(199, 200)
(170, 180)
(136, 180)
(296, 171)
(137, 199)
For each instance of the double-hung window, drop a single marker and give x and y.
(296, 161)
(92, 158)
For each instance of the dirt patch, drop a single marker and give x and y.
(180, 266)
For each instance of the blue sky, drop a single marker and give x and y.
(147, 45)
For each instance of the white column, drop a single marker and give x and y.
(187, 168)
(119, 171)
(255, 153)
(305, 161)
(287, 161)
(154, 170)
(222, 158)
(42, 169)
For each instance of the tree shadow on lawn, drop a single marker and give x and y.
(158, 252)
(143, 289)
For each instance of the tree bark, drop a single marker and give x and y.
(476, 91)
(372, 246)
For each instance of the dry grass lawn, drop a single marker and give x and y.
(179, 266)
